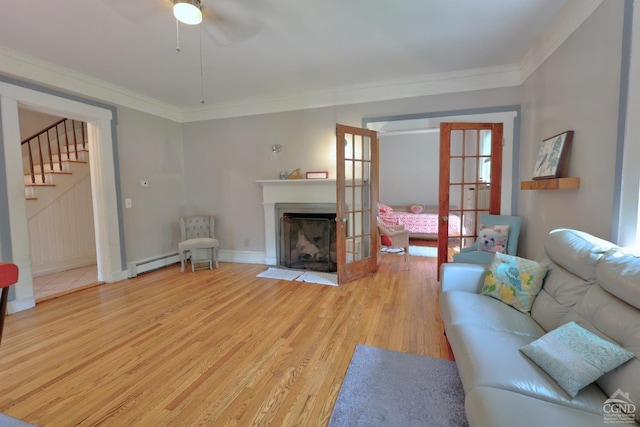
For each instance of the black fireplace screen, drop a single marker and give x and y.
(308, 241)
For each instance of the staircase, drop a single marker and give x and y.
(54, 160)
(59, 200)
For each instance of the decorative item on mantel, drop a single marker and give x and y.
(317, 175)
(294, 174)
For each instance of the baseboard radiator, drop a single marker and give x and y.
(149, 264)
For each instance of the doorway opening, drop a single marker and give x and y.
(105, 192)
(58, 203)
(409, 160)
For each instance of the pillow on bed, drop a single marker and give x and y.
(493, 238)
(384, 208)
(416, 209)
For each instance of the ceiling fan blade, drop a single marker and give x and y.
(133, 11)
(227, 21)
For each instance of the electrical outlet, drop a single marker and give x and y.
(127, 203)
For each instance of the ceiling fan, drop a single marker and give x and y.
(224, 21)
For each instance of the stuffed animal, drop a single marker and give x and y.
(489, 240)
(493, 238)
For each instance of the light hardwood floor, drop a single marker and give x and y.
(219, 348)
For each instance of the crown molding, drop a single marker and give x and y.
(433, 84)
(31, 69)
(570, 18)
(28, 68)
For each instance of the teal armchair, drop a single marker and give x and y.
(473, 256)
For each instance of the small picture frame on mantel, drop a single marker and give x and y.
(317, 175)
(552, 156)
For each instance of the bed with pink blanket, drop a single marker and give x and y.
(423, 225)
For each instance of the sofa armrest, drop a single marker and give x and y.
(462, 277)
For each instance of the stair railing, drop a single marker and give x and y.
(60, 131)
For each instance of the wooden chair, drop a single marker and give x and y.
(8, 277)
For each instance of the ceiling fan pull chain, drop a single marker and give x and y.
(201, 74)
(177, 36)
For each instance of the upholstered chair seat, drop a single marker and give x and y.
(198, 244)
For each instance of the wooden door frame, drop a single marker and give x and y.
(444, 181)
(357, 269)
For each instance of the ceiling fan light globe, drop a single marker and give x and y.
(187, 12)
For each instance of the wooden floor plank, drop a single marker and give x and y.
(215, 347)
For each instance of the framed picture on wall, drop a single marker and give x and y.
(552, 156)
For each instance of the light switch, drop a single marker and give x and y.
(127, 203)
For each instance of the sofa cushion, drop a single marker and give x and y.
(513, 280)
(619, 274)
(466, 308)
(573, 256)
(490, 358)
(575, 357)
(488, 406)
(576, 251)
(560, 291)
(608, 316)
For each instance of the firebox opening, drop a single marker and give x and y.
(308, 241)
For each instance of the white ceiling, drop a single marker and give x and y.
(275, 54)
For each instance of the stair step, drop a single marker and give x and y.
(50, 172)
(39, 185)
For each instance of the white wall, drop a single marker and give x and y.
(409, 169)
(62, 235)
(33, 121)
(628, 234)
(576, 88)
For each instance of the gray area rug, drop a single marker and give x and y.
(7, 421)
(389, 388)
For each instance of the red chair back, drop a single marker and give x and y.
(8, 274)
(8, 277)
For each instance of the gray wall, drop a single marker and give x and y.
(150, 148)
(224, 158)
(576, 88)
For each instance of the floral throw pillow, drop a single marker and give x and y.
(493, 238)
(515, 281)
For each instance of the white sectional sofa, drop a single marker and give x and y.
(590, 282)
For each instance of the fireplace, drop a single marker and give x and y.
(306, 236)
(299, 196)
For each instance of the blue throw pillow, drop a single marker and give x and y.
(575, 357)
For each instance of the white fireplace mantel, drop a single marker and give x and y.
(290, 191)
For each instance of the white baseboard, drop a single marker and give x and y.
(243, 257)
(154, 263)
(20, 305)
